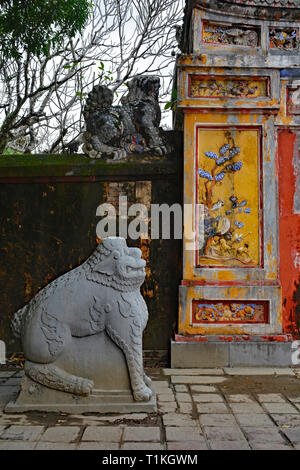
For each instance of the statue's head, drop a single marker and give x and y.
(141, 87)
(114, 263)
(101, 97)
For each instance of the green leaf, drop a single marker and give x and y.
(38, 25)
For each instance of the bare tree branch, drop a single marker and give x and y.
(42, 100)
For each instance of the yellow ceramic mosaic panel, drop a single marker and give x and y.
(228, 189)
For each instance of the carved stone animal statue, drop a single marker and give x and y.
(101, 295)
(114, 131)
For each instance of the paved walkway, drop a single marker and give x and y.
(198, 409)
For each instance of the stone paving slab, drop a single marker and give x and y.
(229, 445)
(165, 397)
(167, 407)
(139, 433)
(177, 419)
(184, 434)
(55, 446)
(22, 433)
(9, 419)
(227, 433)
(5, 375)
(181, 388)
(254, 419)
(286, 419)
(270, 398)
(208, 398)
(269, 446)
(142, 446)
(186, 408)
(98, 446)
(279, 408)
(293, 434)
(193, 371)
(259, 371)
(212, 408)
(102, 433)
(159, 385)
(193, 379)
(7, 394)
(263, 435)
(17, 445)
(217, 420)
(188, 445)
(239, 398)
(11, 382)
(183, 397)
(202, 388)
(246, 408)
(61, 434)
(294, 399)
(19, 374)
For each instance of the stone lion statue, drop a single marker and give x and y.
(100, 297)
(114, 131)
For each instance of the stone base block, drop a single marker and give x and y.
(230, 354)
(36, 397)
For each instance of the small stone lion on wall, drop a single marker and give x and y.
(102, 294)
(115, 131)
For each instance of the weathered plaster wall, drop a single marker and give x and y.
(289, 227)
(48, 226)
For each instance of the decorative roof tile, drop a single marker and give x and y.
(267, 3)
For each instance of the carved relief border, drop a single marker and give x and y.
(227, 34)
(229, 311)
(224, 86)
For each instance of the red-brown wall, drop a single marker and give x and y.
(289, 228)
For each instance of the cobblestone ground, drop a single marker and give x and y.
(198, 409)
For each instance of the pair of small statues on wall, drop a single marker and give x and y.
(112, 132)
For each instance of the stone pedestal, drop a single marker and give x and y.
(97, 358)
(36, 397)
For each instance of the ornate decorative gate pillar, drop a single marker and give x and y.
(233, 97)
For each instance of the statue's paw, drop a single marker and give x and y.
(91, 152)
(143, 394)
(86, 386)
(147, 379)
(119, 154)
(95, 154)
